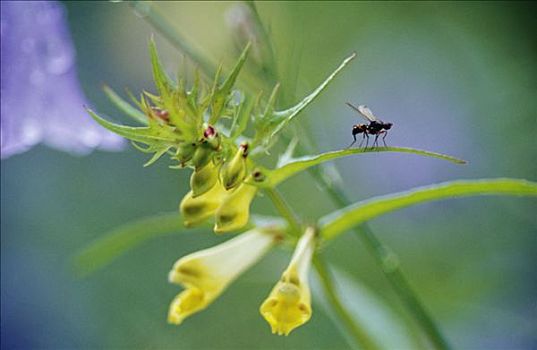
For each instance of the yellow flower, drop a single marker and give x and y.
(196, 210)
(207, 273)
(234, 212)
(234, 171)
(203, 179)
(289, 304)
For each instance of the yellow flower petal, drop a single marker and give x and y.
(185, 304)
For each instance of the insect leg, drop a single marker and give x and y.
(361, 142)
(384, 138)
(353, 142)
(366, 139)
(376, 143)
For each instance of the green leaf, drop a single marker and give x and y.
(279, 119)
(140, 134)
(124, 106)
(222, 92)
(341, 220)
(292, 166)
(124, 238)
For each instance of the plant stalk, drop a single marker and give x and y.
(285, 210)
(359, 334)
(145, 10)
(390, 266)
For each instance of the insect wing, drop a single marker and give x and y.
(366, 112)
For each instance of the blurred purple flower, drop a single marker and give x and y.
(41, 99)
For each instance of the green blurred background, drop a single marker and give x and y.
(457, 78)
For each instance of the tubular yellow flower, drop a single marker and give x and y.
(234, 171)
(196, 210)
(203, 179)
(289, 304)
(205, 274)
(234, 211)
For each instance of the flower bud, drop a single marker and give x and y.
(160, 113)
(196, 210)
(212, 137)
(203, 179)
(232, 173)
(185, 151)
(202, 156)
(234, 211)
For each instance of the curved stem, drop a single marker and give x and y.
(391, 267)
(285, 210)
(161, 24)
(359, 334)
(393, 272)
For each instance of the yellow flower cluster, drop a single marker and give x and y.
(221, 190)
(207, 273)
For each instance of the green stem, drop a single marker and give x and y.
(285, 210)
(359, 334)
(161, 24)
(390, 266)
(270, 72)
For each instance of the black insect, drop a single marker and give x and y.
(375, 127)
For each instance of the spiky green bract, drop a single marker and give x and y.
(341, 220)
(173, 118)
(222, 91)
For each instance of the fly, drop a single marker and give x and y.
(374, 127)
